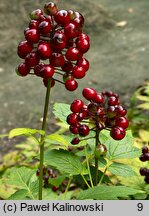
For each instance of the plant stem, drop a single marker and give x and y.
(102, 176)
(68, 185)
(85, 181)
(43, 138)
(96, 160)
(88, 167)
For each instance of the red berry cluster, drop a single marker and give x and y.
(47, 173)
(104, 111)
(54, 45)
(145, 157)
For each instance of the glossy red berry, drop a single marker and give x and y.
(57, 59)
(89, 93)
(35, 15)
(67, 67)
(117, 133)
(54, 188)
(75, 141)
(71, 84)
(71, 31)
(44, 27)
(45, 81)
(73, 129)
(83, 63)
(83, 130)
(47, 71)
(143, 171)
(146, 155)
(24, 48)
(58, 41)
(73, 54)
(112, 101)
(78, 72)
(78, 20)
(37, 69)
(99, 98)
(121, 111)
(32, 35)
(72, 119)
(83, 36)
(111, 112)
(83, 45)
(50, 8)
(44, 50)
(22, 69)
(76, 106)
(32, 59)
(62, 17)
(38, 172)
(122, 122)
(34, 24)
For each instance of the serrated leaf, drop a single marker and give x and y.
(144, 106)
(119, 149)
(65, 161)
(61, 111)
(105, 192)
(24, 131)
(119, 169)
(59, 139)
(57, 181)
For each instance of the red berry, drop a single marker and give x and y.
(67, 67)
(122, 122)
(44, 27)
(83, 130)
(32, 59)
(22, 69)
(99, 98)
(146, 179)
(73, 129)
(71, 84)
(142, 158)
(57, 60)
(78, 20)
(37, 69)
(78, 72)
(73, 54)
(44, 50)
(112, 101)
(34, 24)
(83, 45)
(58, 41)
(76, 106)
(45, 81)
(118, 133)
(145, 149)
(24, 48)
(83, 63)
(47, 71)
(50, 8)
(121, 111)
(54, 188)
(38, 172)
(83, 36)
(71, 31)
(35, 15)
(50, 171)
(75, 141)
(80, 148)
(146, 155)
(32, 36)
(89, 93)
(143, 171)
(62, 17)
(72, 119)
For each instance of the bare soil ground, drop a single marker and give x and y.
(119, 53)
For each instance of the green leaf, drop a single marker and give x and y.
(59, 139)
(65, 161)
(144, 106)
(19, 195)
(119, 149)
(57, 181)
(22, 179)
(24, 131)
(61, 111)
(105, 192)
(121, 170)
(144, 135)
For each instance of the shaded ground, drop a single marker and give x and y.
(118, 55)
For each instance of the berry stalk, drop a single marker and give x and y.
(43, 138)
(96, 159)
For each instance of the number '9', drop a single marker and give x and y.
(140, 206)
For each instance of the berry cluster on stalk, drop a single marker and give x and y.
(145, 157)
(104, 111)
(54, 46)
